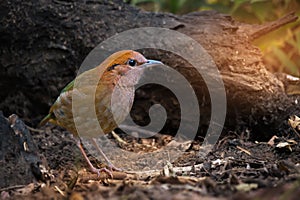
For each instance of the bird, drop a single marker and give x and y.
(122, 69)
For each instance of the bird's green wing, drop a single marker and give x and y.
(68, 87)
(51, 117)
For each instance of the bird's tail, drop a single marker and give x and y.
(49, 118)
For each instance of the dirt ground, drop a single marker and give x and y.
(236, 168)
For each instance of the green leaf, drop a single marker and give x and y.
(262, 10)
(135, 2)
(237, 4)
(285, 60)
(255, 1)
(298, 41)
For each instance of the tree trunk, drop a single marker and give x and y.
(44, 42)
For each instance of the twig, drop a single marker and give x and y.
(117, 137)
(137, 129)
(151, 173)
(244, 150)
(103, 176)
(140, 175)
(12, 187)
(34, 129)
(60, 191)
(271, 26)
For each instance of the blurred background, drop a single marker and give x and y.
(281, 48)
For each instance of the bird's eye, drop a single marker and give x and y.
(132, 62)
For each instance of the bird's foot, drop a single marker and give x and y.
(98, 171)
(112, 167)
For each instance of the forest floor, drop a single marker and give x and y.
(236, 168)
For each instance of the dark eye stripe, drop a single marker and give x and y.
(112, 67)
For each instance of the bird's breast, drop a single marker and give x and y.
(110, 107)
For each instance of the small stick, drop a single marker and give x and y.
(34, 129)
(60, 191)
(103, 176)
(244, 150)
(12, 187)
(117, 137)
(271, 26)
(137, 129)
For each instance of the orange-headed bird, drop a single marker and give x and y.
(120, 64)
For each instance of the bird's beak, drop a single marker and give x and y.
(153, 62)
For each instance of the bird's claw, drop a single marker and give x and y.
(112, 167)
(98, 171)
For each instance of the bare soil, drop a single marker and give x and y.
(235, 168)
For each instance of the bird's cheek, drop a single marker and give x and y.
(123, 70)
(116, 80)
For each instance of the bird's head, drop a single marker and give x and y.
(124, 63)
(122, 71)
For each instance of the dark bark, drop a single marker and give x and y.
(20, 161)
(44, 42)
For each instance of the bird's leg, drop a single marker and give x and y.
(92, 168)
(110, 165)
